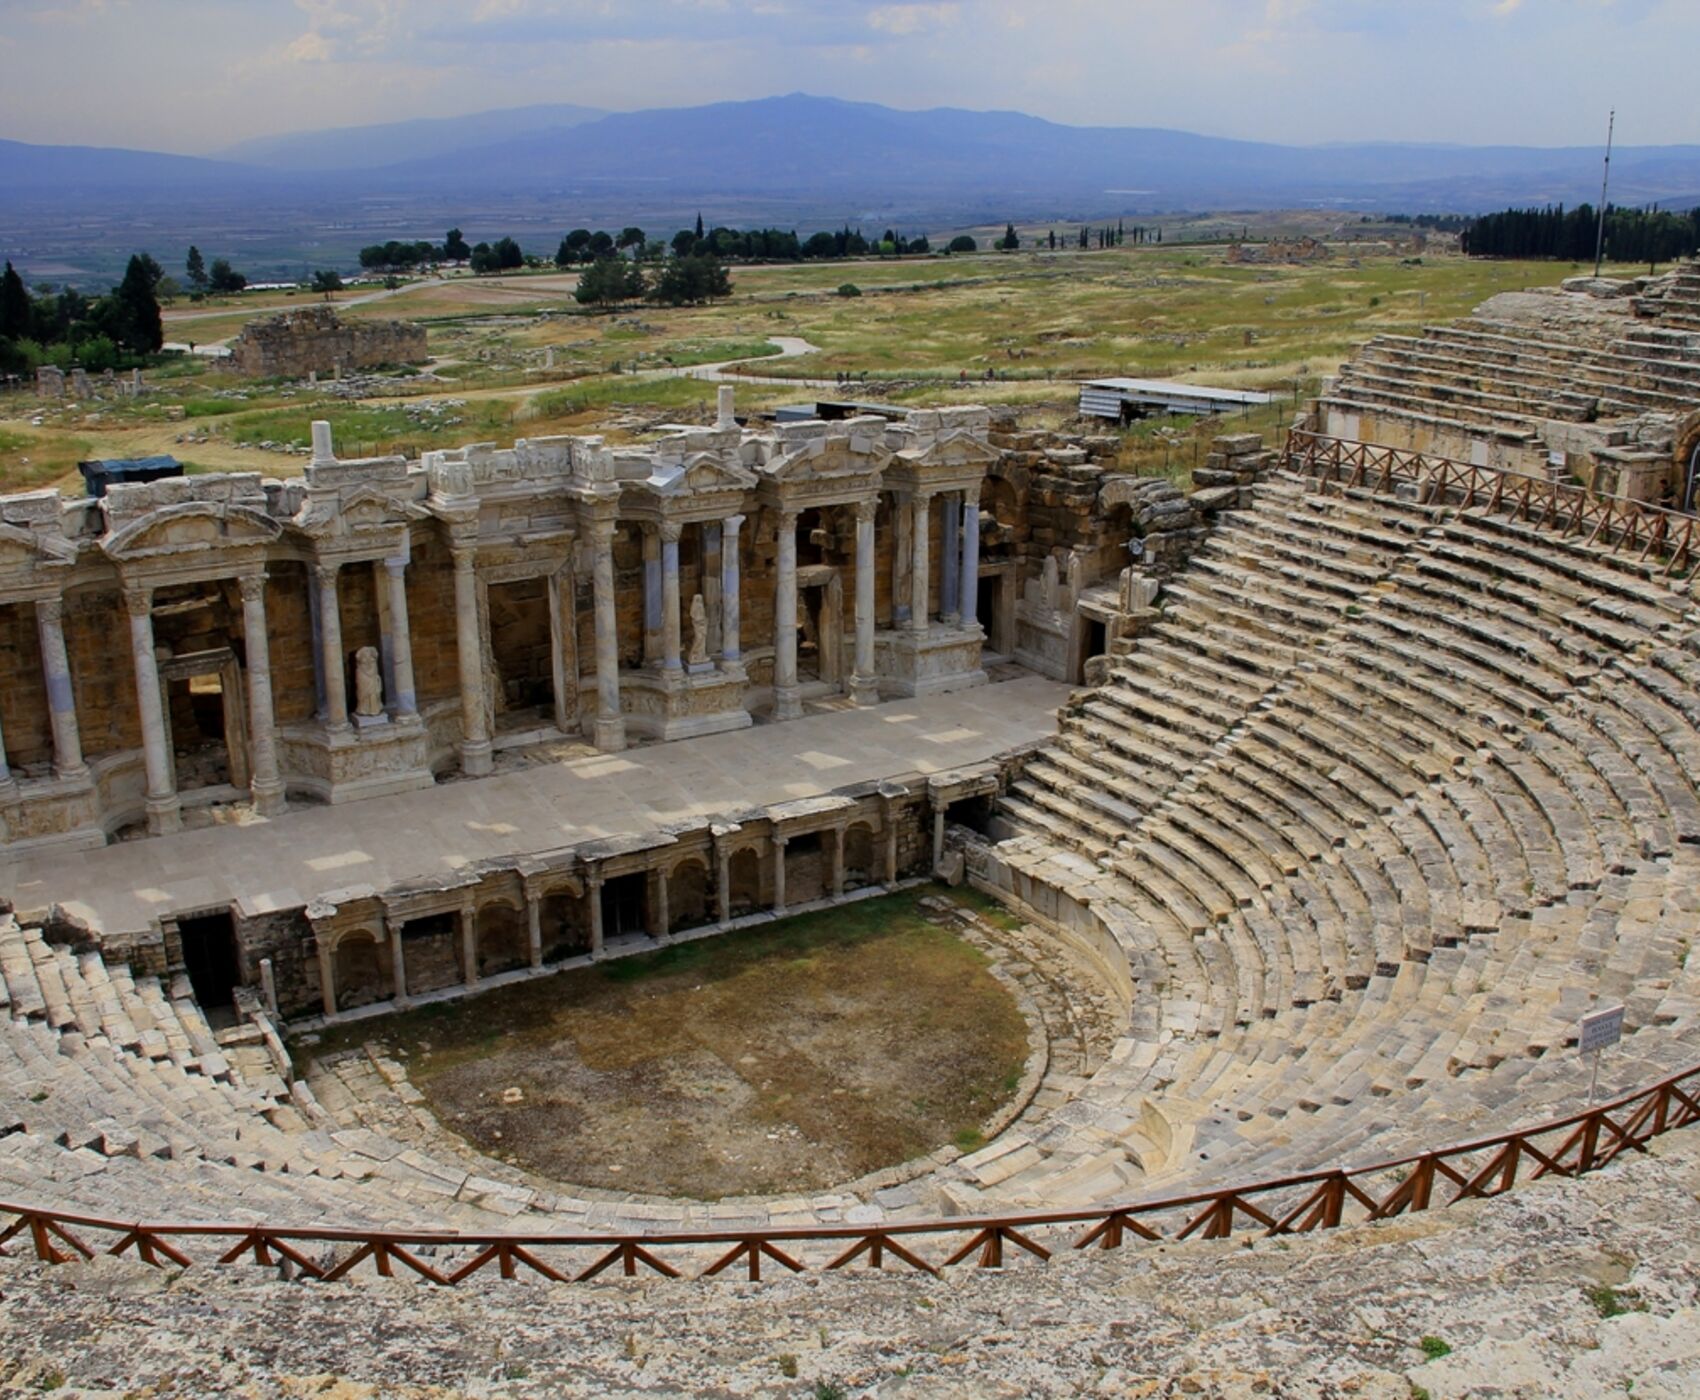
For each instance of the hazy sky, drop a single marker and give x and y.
(196, 75)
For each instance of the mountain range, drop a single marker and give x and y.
(851, 153)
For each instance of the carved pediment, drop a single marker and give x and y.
(364, 510)
(22, 551)
(952, 449)
(705, 472)
(192, 525)
(827, 458)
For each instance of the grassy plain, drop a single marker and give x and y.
(922, 331)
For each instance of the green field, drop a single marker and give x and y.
(923, 331)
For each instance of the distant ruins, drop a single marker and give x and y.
(315, 340)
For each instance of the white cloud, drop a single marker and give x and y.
(911, 19)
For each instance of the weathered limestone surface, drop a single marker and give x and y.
(315, 340)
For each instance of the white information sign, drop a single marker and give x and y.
(1600, 1029)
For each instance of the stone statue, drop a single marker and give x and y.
(698, 654)
(368, 684)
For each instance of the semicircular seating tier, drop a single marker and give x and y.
(1388, 797)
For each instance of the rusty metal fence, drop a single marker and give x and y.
(1650, 532)
(1564, 1147)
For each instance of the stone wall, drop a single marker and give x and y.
(315, 340)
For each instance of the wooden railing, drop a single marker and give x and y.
(1650, 532)
(1322, 1200)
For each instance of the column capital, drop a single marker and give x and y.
(971, 495)
(789, 515)
(465, 556)
(326, 571)
(253, 587)
(138, 599)
(671, 530)
(732, 524)
(866, 511)
(923, 496)
(396, 565)
(780, 840)
(50, 609)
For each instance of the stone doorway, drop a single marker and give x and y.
(206, 722)
(1094, 638)
(625, 906)
(522, 654)
(994, 608)
(213, 963)
(820, 624)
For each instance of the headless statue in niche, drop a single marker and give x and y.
(698, 653)
(368, 685)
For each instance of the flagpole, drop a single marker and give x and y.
(1600, 235)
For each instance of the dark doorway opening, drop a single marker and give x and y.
(986, 598)
(522, 647)
(211, 959)
(623, 901)
(198, 732)
(1094, 638)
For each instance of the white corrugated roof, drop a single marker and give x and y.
(1174, 389)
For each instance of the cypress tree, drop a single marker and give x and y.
(15, 308)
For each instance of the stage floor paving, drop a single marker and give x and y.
(287, 861)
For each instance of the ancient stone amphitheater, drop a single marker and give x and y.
(1368, 803)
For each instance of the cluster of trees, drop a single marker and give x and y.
(675, 281)
(219, 277)
(737, 245)
(1631, 235)
(66, 327)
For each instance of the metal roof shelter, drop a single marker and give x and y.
(1122, 399)
(835, 410)
(110, 471)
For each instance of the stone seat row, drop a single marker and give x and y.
(1403, 865)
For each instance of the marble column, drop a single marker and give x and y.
(731, 645)
(787, 701)
(891, 849)
(534, 928)
(61, 698)
(469, 946)
(404, 701)
(164, 813)
(902, 555)
(660, 916)
(864, 685)
(779, 844)
(837, 882)
(469, 654)
(670, 532)
(398, 966)
(266, 786)
(971, 557)
(332, 660)
(652, 607)
(723, 890)
(327, 977)
(610, 725)
(938, 834)
(919, 583)
(950, 512)
(593, 892)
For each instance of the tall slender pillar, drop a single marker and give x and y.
(327, 977)
(837, 882)
(534, 927)
(652, 607)
(779, 844)
(593, 892)
(731, 618)
(61, 698)
(660, 916)
(469, 650)
(891, 848)
(864, 685)
(971, 557)
(164, 813)
(8, 785)
(723, 886)
(902, 555)
(919, 583)
(950, 512)
(330, 647)
(610, 725)
(404, 702)
(469, 946)
(266, 786)
(670, 532)
(398, 965)
(787, 701)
